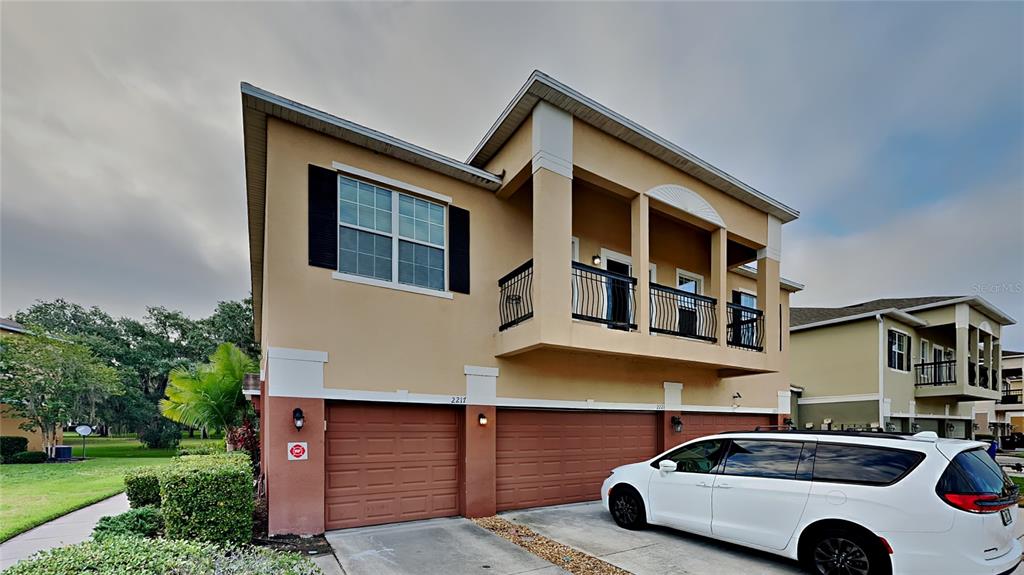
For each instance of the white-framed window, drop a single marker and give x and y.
(899, 348)
(389, 236)
(575, 249)
(689, 282)
(926, 351)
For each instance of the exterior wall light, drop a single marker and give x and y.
(596, 259)
(949, 427)
(677, 424)
(976, 427)
(300, 420)
(788, 421)
(482, 419)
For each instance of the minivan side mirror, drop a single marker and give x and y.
(667, 466)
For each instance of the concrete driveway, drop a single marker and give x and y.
(587, 527)
(454, 546)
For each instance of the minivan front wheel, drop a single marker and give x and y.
(842, 552)
(627, 508)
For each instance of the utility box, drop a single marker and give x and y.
(61, 452)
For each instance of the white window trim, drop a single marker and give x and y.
(690, 275)
(906, 353)
(925, 357)
(575, 249)
(394, 234)
(390, 182)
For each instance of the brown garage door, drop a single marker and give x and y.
(390, 462)
(552, 457)
(700, 424)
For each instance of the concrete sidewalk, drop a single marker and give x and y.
(74, 527)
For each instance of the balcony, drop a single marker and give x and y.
(942, 379)
(601, 316)
(1012, 397)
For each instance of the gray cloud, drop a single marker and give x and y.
(121, 126)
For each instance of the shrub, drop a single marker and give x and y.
(140, 522)
(208, 497)
(160, 433)
(29, 457)
(119, 555)
(143, 487)
(200, 450)
(11, 444)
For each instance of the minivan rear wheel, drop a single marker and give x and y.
(845, 552)
(627, 508)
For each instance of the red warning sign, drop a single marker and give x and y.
(297, 451)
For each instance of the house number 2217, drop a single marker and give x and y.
(460, 399)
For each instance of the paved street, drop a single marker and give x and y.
(74, 527)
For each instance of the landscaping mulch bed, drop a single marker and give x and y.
(572, 560)
(308, 546)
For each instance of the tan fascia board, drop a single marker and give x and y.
(890, 312)
(540, 86)
(975, 301)
(787, 284)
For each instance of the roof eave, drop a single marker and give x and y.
(786, 284)
(541, 86)
(890, 312)
(974, 300)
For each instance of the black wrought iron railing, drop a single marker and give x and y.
(935, 373)
(1012, 396)
(745, 327)
(983, 376)
(676, 312)
(604, 297)
(972, 373)
(515, 296)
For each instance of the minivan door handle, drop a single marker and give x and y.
(723, 486)
(703, 484)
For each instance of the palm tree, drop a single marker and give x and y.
(211, 393)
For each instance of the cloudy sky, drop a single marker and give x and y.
(897, 129)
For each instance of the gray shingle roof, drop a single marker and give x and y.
(8, 324)
(805, 315)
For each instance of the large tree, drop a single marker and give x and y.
(144, 351)
(50, 382)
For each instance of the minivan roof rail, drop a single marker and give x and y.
(837, 432)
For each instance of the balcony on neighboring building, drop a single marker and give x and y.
(944, 379)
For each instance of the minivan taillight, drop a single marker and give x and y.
(978, 503)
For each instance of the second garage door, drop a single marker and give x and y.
(390, 462)
(552, 457)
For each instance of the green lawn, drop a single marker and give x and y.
(34, 494)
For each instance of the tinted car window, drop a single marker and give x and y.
(974, 472)
(756, 458)
(700, 457)
(862, 464)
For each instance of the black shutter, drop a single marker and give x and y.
(458, 249)
(323, 221)
(892, 352)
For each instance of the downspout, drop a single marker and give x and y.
(881, 369)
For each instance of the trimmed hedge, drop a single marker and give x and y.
(30, 457)
(200, 450)
(121, 555)
(141, 522)
(208, 497)
(143, 487)
(11, 444)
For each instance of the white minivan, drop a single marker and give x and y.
(842, 503)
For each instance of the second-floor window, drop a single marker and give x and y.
(899, 350)
(390, 236)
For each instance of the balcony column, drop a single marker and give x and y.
(988, 361)
(717, 284)
(972, 352)
(768, 295)
(552, 220)
(963, 339)
(997, 368)
(641, 256)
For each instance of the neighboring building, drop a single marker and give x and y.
(1002, 417)
(469, 337)
(909, 364)
(9, 424)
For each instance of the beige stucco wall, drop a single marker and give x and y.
(10, 425)
(837, 360)
(602, 155)
(899, 385)
(381, 339)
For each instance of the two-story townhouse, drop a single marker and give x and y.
(10, 424)
(1000, 418)
(445, 337)
(905, 364)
